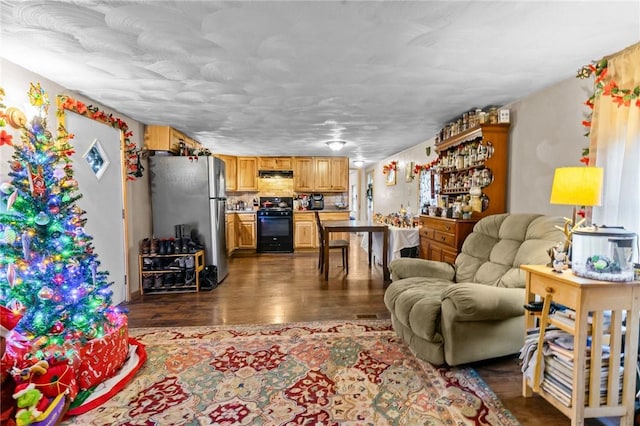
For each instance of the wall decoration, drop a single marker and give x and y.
(409, 174)
(390, 171)
(131, 153)
(391, 177)
(97, 159)
(428, 166)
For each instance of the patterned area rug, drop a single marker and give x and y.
(319, 373)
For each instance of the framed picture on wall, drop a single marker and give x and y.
(408, 172)
(391, 176)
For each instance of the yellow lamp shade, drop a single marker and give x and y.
(577, 186)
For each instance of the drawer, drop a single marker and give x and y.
(440, 225)
(444, 238)
(427, 233)
(561, 293)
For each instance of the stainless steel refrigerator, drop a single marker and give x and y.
(191, 191)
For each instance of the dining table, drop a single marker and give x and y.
(329, 226)
(399, 238)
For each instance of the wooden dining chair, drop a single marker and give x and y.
(343, 245)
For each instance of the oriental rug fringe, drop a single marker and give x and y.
(317, 373)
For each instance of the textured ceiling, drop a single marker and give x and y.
(283, 77)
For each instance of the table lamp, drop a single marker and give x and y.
(576, 186)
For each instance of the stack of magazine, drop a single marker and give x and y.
(558, 358)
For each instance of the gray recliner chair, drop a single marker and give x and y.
(472, 310)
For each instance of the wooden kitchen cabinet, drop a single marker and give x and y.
(441, 238)
(305, 234)
(274, 163)
(246, 230)
(165, 138)
(231, 170)
(305, 231)
(336, 216)
(303, 174)
(230, 230)
(331, 174)
(247, 174)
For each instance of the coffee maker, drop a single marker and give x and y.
(316, 202)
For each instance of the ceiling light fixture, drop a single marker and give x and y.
(336, 145)
(358, 163)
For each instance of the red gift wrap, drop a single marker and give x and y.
(102, 358)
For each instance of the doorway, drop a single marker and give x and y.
(369, 193)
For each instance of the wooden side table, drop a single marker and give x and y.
(589, 299)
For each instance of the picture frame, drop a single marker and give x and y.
(408, 172)
(391, 177)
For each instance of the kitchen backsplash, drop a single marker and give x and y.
(276, 187)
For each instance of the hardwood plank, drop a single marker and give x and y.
(282, 288)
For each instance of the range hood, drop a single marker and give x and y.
(268, 174)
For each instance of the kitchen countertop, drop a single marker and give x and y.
(329, 210)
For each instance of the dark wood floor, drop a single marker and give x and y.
(282, 288)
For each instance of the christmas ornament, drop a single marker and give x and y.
(36, 181)
(12, 199)
(42, 219)
(9, 235)
(69, 183)
(45, 293)
(58, 172)
(26, 245)
(80, 321)
(6, 188)
(11, 274)
(57, 328)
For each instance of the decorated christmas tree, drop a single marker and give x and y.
(68, 338)
(49, 272)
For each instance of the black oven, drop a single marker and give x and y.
(275, 225)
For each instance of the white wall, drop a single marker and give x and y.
(15, 81)
(546, 132)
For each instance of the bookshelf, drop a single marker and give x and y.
(599, 333)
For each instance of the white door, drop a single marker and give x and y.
(97, 167)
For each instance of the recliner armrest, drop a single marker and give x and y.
(479, 302)
(410, 267)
